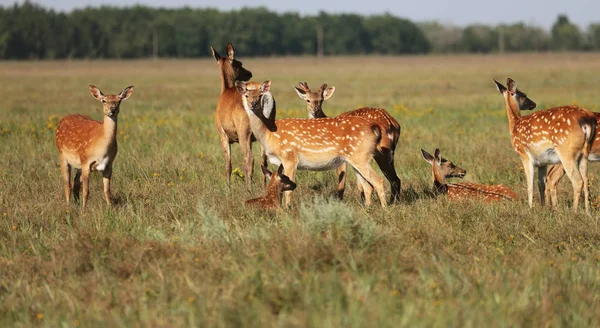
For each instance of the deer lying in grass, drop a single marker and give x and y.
(313, 144)
(556, 172)
(278, 183)
(561, 135)
(230, 117)
(88, 145)
(443, 169)
(387, 144)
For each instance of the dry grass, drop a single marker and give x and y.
(177, 249)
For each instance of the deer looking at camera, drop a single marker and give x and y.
(560, 135)
(278, 183)
(230, 117)
(88, 145)
(313, 144)
(556, 172)
(387, 144)
(443, 169)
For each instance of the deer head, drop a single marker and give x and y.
(516, 98)
(283, 182)
(111, 103)
(314, 100)
(442, 168)
(231, 67)
(257, 98)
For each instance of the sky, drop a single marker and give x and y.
(458, 12)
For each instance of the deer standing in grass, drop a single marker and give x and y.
(278, 183)
(387, 144)
(88, 145)
(560, 135)
(443, 169)
(230, 117)
(313, 144)
(556, 172)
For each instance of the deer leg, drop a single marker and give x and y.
(85, 175)
(542, 183)
(371, 178)
(553, 177)
(77, 184)
(226, 147)
(528, 168)
(265, 162)
(289, 169)
(341, 171)
(65, 169)
(574, 175)
(106, 176)
(387, 167)
(586, 188)
(246, 144)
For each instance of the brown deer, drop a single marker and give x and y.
(313, 144)
(88, 145)
(230, 117)
(560, 135)
(443, 169)
(556, 172)
(278, 183)
(379, 116)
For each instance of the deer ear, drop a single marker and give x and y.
(241, 87)
(268, 105)
(301, 93)
(126, 92)
(511, 84)
(437, 156)
(328, 93)
(266, 86)
(215, 53)
(265, 171)
(427, 156)
(280, 170)
(96, 92)
(230, 52)
(500, 87)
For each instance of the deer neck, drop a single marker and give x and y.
(273, 195)
(261, 126)
(512, 111)
(439, 183)
(227, 78)
(110, 129)
(317, 114)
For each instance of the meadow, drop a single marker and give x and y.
(178, 249)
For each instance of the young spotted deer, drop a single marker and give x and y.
(561, 135)
(387, 144)
(230, 117)
(443, 169)
(313, 144)
(278, 183)
(88, 145)
(556, 172)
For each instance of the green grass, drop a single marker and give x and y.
(178, 249)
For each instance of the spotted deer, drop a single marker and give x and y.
(313, 144)
(387, 144)
(230, 117)
(443, 169)
(560, 135)
(88, 145)
(278, 183)
(556, 172)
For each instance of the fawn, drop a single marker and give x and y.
(88, 145)
(379, 116)
(443, 168)
(230, 117)
(561, 135)
(556, 172)
(278, 183)
(313, 144)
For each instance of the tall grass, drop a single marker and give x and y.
(179, 249)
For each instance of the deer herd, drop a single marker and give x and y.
(557, 141)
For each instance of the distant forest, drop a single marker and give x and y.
(31, 31)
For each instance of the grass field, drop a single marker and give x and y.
(178, 249)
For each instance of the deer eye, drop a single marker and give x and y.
(308, 100)
(246, 96)
(104, 101)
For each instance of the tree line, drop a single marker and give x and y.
(31, 31)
